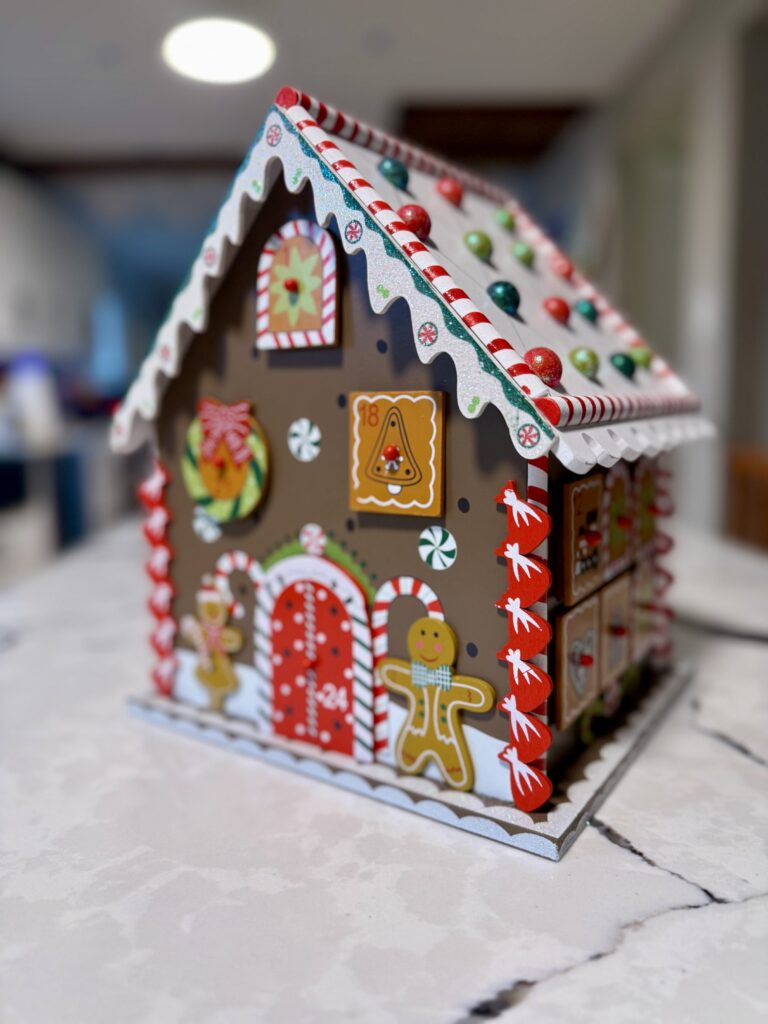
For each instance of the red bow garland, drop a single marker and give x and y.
(228, 423)
(528, 579)
(152, 496)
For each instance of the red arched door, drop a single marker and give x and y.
(312, 666)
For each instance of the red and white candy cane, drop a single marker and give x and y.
(238, 561)
(241, 561)
(398, 586)
(158, 567)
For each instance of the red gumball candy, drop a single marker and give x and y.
(391, 452)
(416, 219)
(545, 364)
(451, 189)
(558, 309)
(562, 266)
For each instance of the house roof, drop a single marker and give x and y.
(584, 421)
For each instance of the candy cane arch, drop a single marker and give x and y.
(398, 586)
(241, 561)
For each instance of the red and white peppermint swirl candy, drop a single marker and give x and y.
(313, 539)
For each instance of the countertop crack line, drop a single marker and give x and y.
(625, 844)
(740, 748)
(515, 994)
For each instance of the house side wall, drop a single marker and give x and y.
(375, 353)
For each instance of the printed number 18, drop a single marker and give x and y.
(369, 414)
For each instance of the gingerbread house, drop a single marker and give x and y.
(406, 512)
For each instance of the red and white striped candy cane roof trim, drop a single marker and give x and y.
(345, 127)
(580, 410)
(436, 275)
(266, 339)
(313, 118)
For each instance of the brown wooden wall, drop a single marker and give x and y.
(376, 352)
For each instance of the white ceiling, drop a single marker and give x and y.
(80, 77)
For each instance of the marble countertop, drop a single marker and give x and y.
(720, 584)
(150, 878)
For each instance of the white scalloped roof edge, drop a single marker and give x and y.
(548, 838)
(578, 449)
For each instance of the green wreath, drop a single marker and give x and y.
(252, 491)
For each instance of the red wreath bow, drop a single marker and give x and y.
(228, 423)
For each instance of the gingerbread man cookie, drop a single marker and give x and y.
(432, 730)
(214, 641)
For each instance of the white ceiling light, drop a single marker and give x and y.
(218, 50)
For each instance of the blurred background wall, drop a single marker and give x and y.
(636, 132)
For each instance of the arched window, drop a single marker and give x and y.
(296, 288)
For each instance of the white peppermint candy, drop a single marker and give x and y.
(437, 547)
(304, 439)
(313, 539)
(206, 528)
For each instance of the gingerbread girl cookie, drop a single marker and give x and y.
(432, 729)
(214, 641)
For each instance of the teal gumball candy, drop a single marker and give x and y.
(506, 296)
(624, 364)
(586, 309)
(394, 171)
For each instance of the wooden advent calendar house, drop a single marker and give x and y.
(405, 512)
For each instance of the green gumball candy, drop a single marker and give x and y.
(479, 243)
(524, 253)
(641, 356)
(585, 360)
(505, 219)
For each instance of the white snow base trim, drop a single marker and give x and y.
(549, 838)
